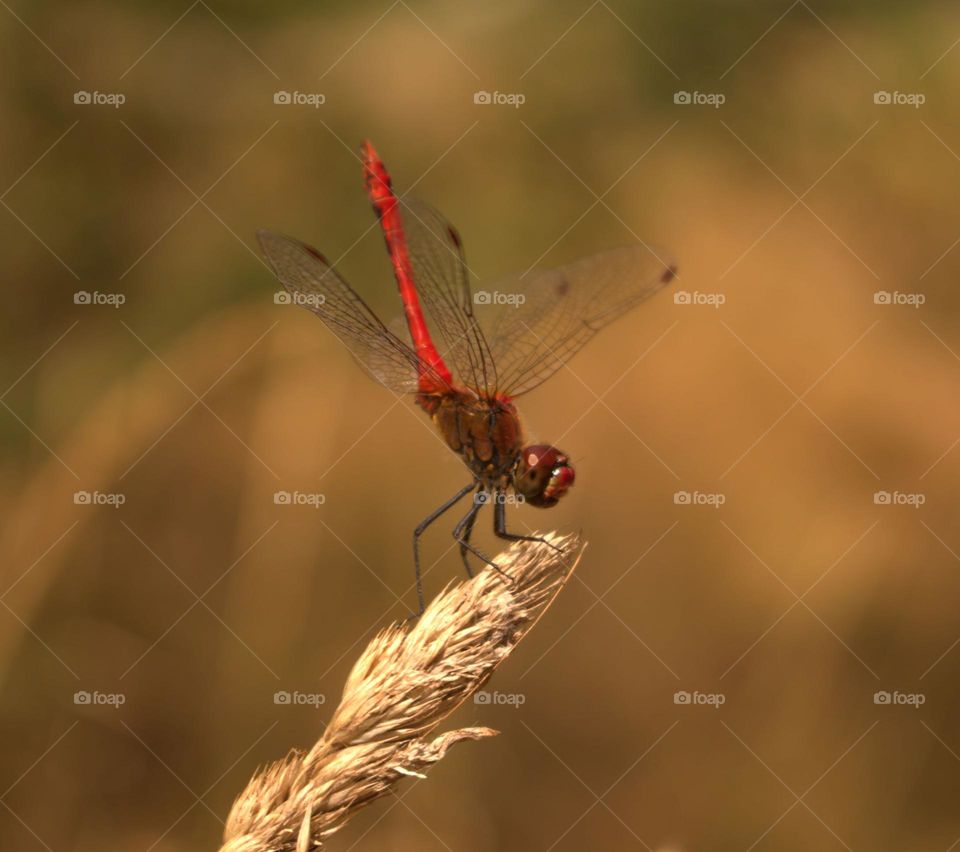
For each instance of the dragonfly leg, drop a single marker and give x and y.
(500, 524)
(436, 513)
(461, 535)
(464, 529)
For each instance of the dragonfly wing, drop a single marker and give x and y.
(314, 284)
(565, 307)
(442, 281)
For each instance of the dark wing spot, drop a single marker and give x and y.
(669, 274)
(314, 253)
(454, 236)
(562, 287)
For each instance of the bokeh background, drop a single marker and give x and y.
(787, 386)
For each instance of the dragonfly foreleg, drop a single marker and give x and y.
(500, 524)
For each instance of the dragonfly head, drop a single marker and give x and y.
(543, 475)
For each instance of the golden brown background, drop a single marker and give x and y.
(798, 399)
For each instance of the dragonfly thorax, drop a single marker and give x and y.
(485, 433)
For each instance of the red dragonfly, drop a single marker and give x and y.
(561, 309)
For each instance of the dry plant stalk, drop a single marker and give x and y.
(409, 678)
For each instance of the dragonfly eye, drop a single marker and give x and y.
(543, 475)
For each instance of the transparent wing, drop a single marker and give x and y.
(442, 280)
(314, 284)
(566, 307)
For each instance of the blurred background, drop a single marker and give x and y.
(759, 650)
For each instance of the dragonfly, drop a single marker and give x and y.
(464, 373)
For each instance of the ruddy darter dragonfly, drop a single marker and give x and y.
(472, 404)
